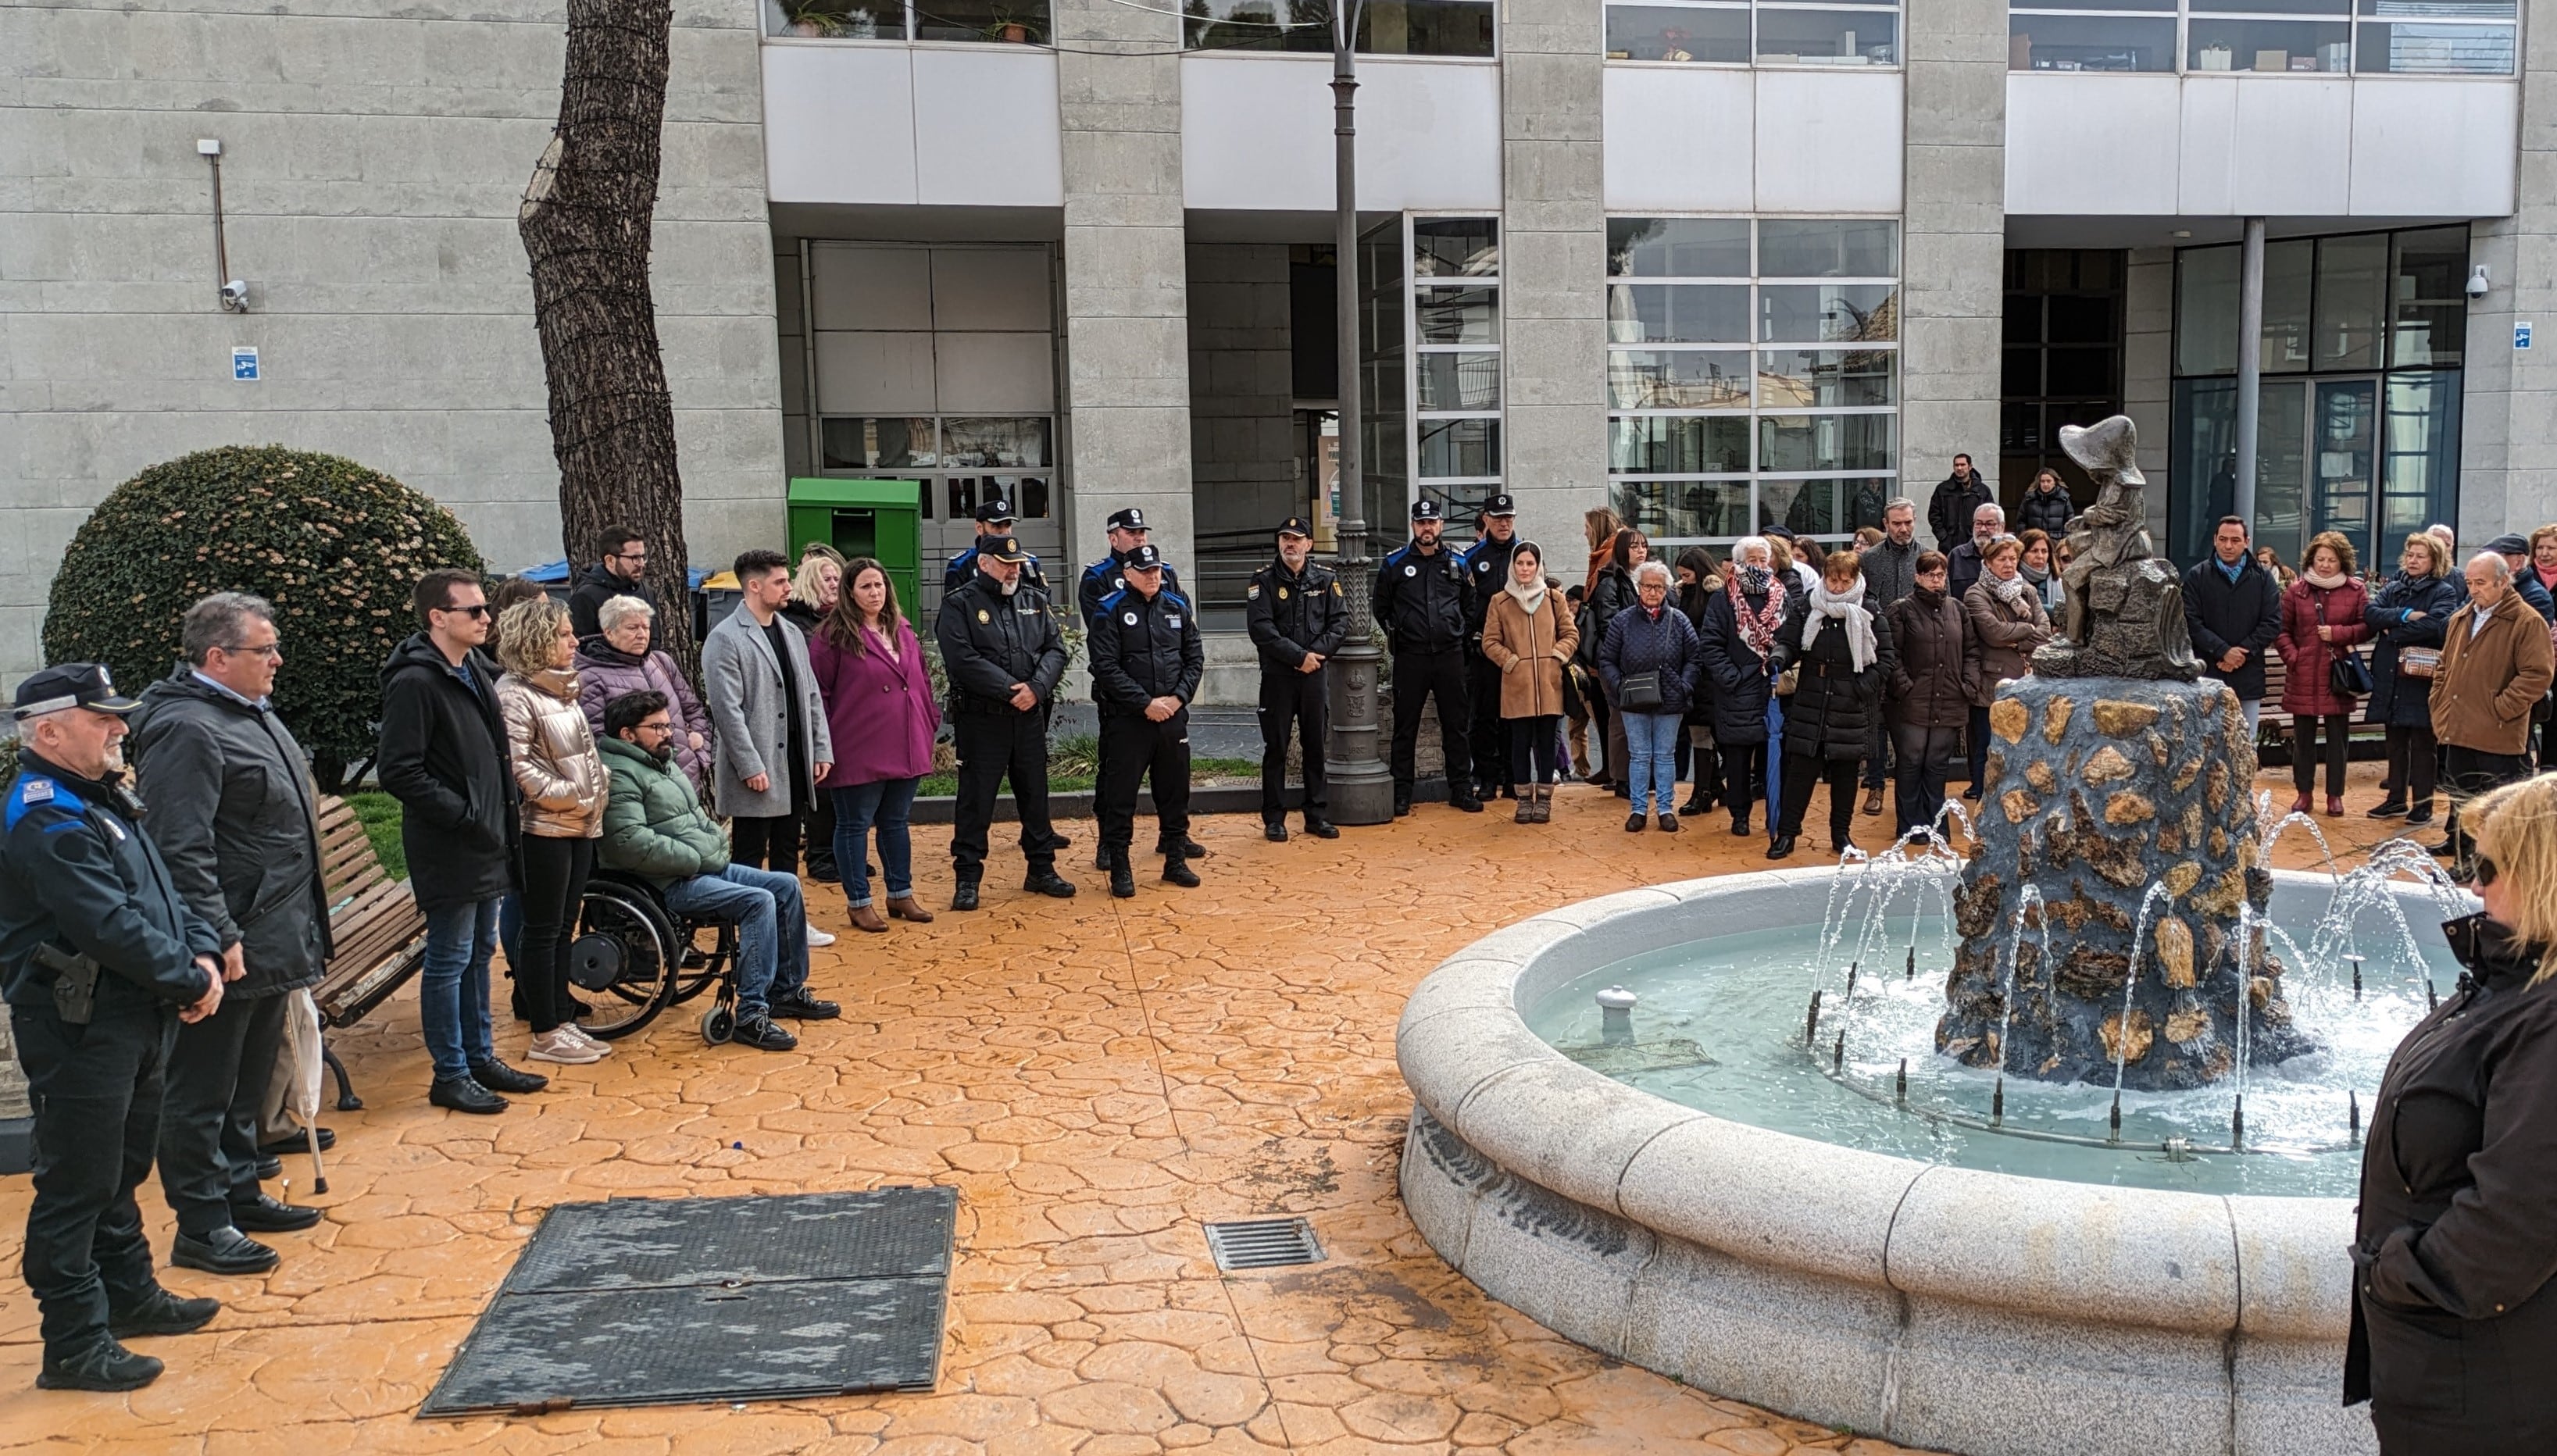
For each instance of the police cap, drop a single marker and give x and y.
(70, 685)
(1146, 557)
(995, 509)
(1006, 549)
(1425, 510)
(1499, 505)
(1128, 518)
(1295, 527)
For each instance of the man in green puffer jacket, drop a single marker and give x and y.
(656, 828)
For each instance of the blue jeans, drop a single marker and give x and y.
(884, 803)
(1649, 738)
(452, 989)
(772, 922)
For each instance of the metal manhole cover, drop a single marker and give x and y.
(1262, 1243)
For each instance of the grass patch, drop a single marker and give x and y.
(379, 814)
(1074, 767)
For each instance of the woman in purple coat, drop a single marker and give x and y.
(617, 660)
(880, 712)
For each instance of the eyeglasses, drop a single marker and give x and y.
(2485, 871)
(479, 609)
(270, 651)
(630, 556)
(654, 727)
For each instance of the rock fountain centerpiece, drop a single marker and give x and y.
(2117, 834)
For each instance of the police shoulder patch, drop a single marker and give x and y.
(38, 791)
(1253, 593)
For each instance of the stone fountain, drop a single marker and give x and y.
(2118, 830)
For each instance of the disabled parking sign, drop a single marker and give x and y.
(2521, 335)
(244, 364)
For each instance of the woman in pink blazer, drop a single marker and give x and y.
(880, 710)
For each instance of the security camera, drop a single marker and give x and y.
(236, 295)
(2476, 282)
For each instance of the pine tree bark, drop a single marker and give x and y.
(585, 223)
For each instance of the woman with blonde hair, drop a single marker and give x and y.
(1599, 527)
(2406, 620)
(814, 589)
(2322, 619)
(2454, 1237)
(552, 753)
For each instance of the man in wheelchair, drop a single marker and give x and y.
(656, 828)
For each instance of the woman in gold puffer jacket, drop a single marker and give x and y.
(552, 753)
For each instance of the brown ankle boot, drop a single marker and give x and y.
(904, 907)
(867, 918)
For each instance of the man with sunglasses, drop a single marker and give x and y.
(443, 755)
(625, 553)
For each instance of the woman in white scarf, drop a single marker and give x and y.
(1842, 653)
(1528, 635)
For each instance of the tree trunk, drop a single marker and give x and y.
(585, 223)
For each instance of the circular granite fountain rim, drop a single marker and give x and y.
(2083, 1252)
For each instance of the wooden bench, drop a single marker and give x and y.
(378, 932)
(2273, 725)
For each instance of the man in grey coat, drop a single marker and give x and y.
(774, 749)
(232, 812)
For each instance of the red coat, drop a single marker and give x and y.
(2306, 678)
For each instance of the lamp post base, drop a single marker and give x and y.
(1356, 781)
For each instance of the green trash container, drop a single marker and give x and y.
(882, 519)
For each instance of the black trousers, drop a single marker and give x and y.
(1923, 754)
(1744, 778)
(2304, 752)
(1977, 738)
(1135, 749)
(2471, 773)
(1801, 771)
(1493, 770)
(1531, 741)
(994, 747)
(1297, 703)
(555, 875)
(218, 1070)
(96, 1093)
(769, 843)
(1418, 677)
(2414, 757)
(819, 824)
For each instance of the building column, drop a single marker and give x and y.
(2509, 413)
(1127, 386)
(1554, 266)
(2148, 372)
(1952, 266)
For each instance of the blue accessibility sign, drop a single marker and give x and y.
(244, 364)
(2521, 335)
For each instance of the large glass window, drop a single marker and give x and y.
(1004, 22)
(2358, 418)
(1433, 340)
(2063, 359)
(1767, 33)
(1752, 374)
(2323, 37)
(1385, 26)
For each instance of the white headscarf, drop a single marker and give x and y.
(1848, 608)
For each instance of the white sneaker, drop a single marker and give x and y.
(819, 938)
(559, 1044)
(586, 1039)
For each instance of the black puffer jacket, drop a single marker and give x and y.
(2397, 701)
(1143, 648)
(1935, 662)
(989, 641)
(1736, 681)
(444, 757)
(2048, 513)
(1834, 707)
(598, 587)
(1421, 599)
(1610, 592)
(232, 814)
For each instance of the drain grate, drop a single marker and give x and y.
(1262, 1243)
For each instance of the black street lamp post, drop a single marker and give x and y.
(1361, 790)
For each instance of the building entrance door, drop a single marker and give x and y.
(2346, 461)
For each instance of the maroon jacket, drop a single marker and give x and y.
(880, 713)
(2307, 684)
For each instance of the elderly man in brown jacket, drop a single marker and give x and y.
(2497, 665)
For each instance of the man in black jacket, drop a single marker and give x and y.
(624, 561)
(96, 949)
(1958, 496)
(2046, 507)
(232, 814)
(1294, 612)
(1963, 565)
(1126, 530)
(1487, 572)
(1004, 658)
(1146, 661)
(1420, 601)
(2232, 608)
(443, 755)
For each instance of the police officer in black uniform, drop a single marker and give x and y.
(1421, 601)
(1487, 572)
(1127, 531)
(993, 518)
(1297, 620)
(100, 958)
(1004, 657)
(1146, 660)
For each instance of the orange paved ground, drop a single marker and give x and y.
(1095, 1077)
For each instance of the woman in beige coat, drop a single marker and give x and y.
(1528, 635)
(551, 752)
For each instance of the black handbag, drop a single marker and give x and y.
(2348, 675)
(1639, 692)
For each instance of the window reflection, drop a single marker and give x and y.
(1691, 32)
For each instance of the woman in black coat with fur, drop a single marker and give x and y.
(1844, 651)
(1735, 636)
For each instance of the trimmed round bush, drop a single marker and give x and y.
(336, 546)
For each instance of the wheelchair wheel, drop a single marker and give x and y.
(623, 958)
(707, 966)
(719, 1024)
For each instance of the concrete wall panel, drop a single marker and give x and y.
(2087, 144)
(1828, 142)
(2435, 148)
(2290, 152)
(984, 127)
(1256, 133)
(839, 124)
(1681, 140)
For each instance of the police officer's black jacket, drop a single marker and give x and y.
(1144, 648)
(989, 641)
(1423, 601)
(1487, 572)
(444, 757)
(1104, 577)
(76, 874)
(1290, 613)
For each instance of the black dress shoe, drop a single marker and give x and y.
(799, 1006)
(462, 1094)
(1740, 826)
(1321, 829)
(1401, 808)
(104, 1366)
(1176, 870)
(1275, 831)
(1634, 822)
(269, 1169)
(1466, 804)
(1668, 821)
(266, 1215)
(224, 1250)
(162, 1313)
(759, 1033)
(2387, 809)
(964, 896)
(498, 1077)
(1781, 848)
(1048, 883)
(298, 1143)
(2419, 816)
(1193, 849)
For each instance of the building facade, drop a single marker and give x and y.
(1716, 264)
